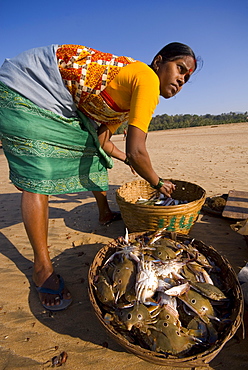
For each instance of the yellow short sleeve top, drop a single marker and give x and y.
(135, 89)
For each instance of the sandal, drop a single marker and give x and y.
(64, 303)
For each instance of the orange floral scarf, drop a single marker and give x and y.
(86, 72)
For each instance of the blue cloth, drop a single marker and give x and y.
(35, 75)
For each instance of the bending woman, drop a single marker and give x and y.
(59, 106)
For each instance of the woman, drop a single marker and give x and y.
(53, 100)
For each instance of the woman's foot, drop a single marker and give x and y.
(52, 292)
(109, 218)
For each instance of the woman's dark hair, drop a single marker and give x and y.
(175, 50)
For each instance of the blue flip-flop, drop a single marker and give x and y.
(64, 303)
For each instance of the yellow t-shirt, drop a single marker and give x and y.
(135, 88)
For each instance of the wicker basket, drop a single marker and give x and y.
(227, 274)
(138, 217)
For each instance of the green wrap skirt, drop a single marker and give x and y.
(47, 153)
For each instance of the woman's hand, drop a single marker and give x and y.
(104, 136)
(167, 188)
(131, 167)
(108, 146)
(132, 170)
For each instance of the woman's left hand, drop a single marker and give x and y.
(167, 188)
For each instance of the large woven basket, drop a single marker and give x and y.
(226, 274)
(139, 217)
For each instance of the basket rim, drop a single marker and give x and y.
(145, 206)
(180, 206)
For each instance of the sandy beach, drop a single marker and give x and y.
(214, 157)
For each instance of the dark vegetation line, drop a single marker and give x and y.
(165, 122)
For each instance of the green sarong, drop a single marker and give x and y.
(47, 153)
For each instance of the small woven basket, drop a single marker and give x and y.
(139, 217)
(226, 274)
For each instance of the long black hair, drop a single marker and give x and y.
(175, 50)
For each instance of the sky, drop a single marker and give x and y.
(217, 31)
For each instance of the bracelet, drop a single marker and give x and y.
(159, 184)
(127, 161)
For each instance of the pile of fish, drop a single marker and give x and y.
(163, 295)
(160, 200)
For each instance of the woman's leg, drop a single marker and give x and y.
(35, 219)
(105, 213)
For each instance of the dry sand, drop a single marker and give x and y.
(214, 157)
